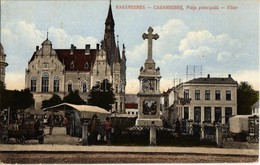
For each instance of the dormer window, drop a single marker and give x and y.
(72, 64)
(86, 65)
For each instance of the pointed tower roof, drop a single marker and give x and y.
(110, 19)
(1, 48)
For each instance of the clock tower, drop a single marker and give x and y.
(149, 92)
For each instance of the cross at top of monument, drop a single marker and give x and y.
(150, 36)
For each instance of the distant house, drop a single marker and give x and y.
(131, 104)
(203, 100)
(255, 108)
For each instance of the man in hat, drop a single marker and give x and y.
(93, 129)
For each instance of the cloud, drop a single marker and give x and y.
(61, 39)
(218, 49)
(20, 39)
(178, 47)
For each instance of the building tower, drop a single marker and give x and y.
(114, 65)
(3, 64)
(109, 37)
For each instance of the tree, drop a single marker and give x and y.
(17, 100)
(74, 98)
(246, 97)
(102, 95)
(54, 100)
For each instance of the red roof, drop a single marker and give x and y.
(131, 105)
(78, 61)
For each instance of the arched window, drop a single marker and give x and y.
(72, 64)
(56, 84)
(86, 65)
(84, 87)
(45, 82)
(69, 89)
(33, 84)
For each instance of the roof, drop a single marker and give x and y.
(209, 80)
(80, 61)
(256, 105)
(47, 42)
(86, 111)
(1, 48)
(131, 105)
(110, 19)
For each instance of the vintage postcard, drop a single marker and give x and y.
(129, 81)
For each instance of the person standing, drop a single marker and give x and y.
(93, 130)
(51, 122)
(66, 124)
(178, 128)
(108, 128)
(61, 120)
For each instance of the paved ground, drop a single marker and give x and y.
(66, 146)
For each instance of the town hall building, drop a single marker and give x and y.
(59, 71)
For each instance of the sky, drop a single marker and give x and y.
(196, 37)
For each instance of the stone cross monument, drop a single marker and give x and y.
(149, 92)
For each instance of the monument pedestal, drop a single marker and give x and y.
(149, 110)
(148, 122)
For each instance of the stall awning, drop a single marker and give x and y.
(86, 111)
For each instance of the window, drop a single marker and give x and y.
(197, 94)
(69, 87)
(56, 84)
(228, 95)
(72, 64)
(217, 95)
(86, 65)
(33, 84)
(207, 115)
(207, 94)
(186, 113)
(218, 116)
(116, 88)
(116, 106)
(186, 94)
(228, 113)
(45, 82)
(197, 114)
(84, 87)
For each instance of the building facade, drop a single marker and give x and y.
(131, 104)
(3, 64)
(204, 100)
(255, 108)
(59, 71)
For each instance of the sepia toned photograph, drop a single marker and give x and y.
(129, 81)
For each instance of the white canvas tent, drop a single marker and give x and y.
(84, 111)
(239, 123)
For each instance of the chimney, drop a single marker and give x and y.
(37, 48)
(87, 49)
(229, 75)
(208, 75)
(97, 47)
(71, 48)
